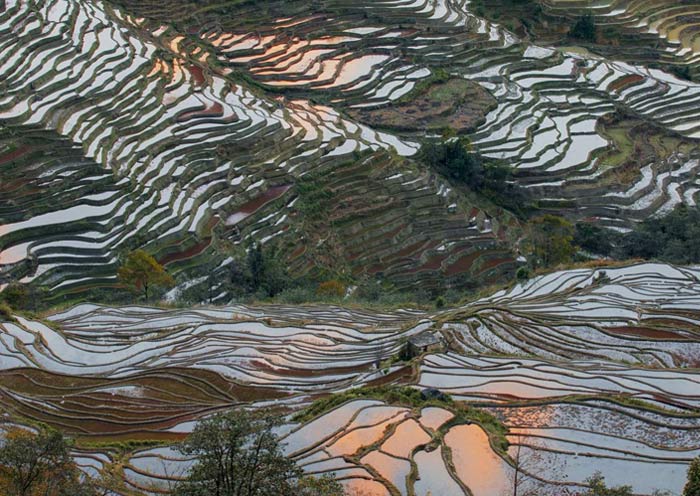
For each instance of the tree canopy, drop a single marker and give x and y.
(266, 271)
(15, 294)
(550, 240)
(692, 487)
(39, 464)
(238, 454)
(673, 238)
(584, 29)
(141, 272)
(455, 160)
(597, 487)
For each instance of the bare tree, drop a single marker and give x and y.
(379, 354)
(525, 459)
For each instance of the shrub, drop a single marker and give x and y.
(15, 295)
(331, 289)
(453, 159)
(407, 352)
(297, 295)
(266, 271)
(682, 71)
(370, 290)
(522, 274)
(313, 197)
(594, 239)
(5, 312)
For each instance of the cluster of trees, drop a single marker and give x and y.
(455, 159)
(139, 272)
(261, 273)
(20, 296)
(524, 481)
(597, 487)
(265, 273)
(39, 464)
(550, 241)
(673, 238)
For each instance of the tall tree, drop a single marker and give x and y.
(141, 272)
(256, 265)
(266, 271)
(525, 462)
(33, 464)
(238, 454)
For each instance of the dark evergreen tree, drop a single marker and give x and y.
(584, 29)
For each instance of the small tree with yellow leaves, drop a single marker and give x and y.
(141, 272)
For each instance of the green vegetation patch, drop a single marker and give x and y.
(673, 238)
(402, 395)
(445, 103)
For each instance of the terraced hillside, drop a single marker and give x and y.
(186, 129)
(661, 33)
(201, 160)
(208, 132)
(585, 370)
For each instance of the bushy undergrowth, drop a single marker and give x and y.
(5, 312)
(313, 198)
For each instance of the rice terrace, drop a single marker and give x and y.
(360, 248)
